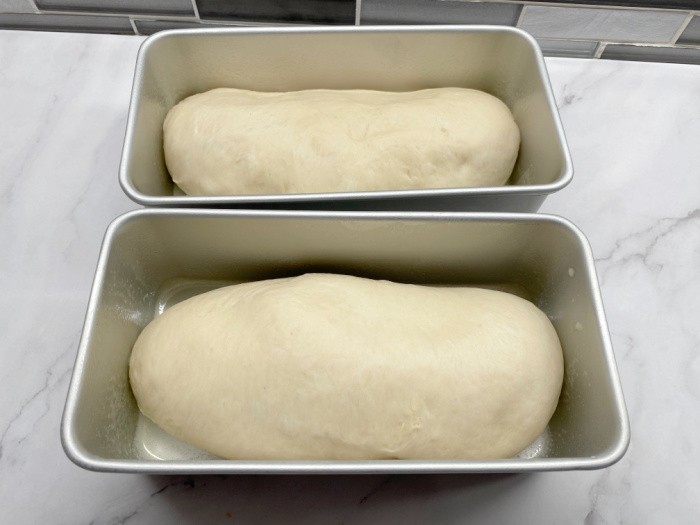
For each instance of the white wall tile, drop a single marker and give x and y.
(620, 25)
(17, 6)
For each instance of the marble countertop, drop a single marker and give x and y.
(633, 131)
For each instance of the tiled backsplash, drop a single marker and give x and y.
(648, 30)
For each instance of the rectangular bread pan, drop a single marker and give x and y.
(503, 61)
(154, 258)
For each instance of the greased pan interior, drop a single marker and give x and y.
(152, 259)
(503, 61)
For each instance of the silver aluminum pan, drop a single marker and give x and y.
(503, 61)
(153, 258)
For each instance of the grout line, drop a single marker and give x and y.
(167, 18)
(135, 16)
(196, 10)
(682, 27)
(358, 11)
(133, 26)
(655, 44)
(520, 15)
(685, 46)
(245, 23)
(599, 50)
(123, 14)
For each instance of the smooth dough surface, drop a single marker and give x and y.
(237, 142)
(328, 366)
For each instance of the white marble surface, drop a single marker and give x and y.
(633, 131)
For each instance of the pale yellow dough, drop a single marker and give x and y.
(237, 142)
(336, 367)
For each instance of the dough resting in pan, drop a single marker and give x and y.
(237, 142)
(336, 367)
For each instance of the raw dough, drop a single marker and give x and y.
(237, 142)
(336, 367)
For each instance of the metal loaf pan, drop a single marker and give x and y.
(154, 258)
(503, 61)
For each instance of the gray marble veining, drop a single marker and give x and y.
(632, 129)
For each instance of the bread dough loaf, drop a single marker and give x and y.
(237, 142)
(335, 367)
